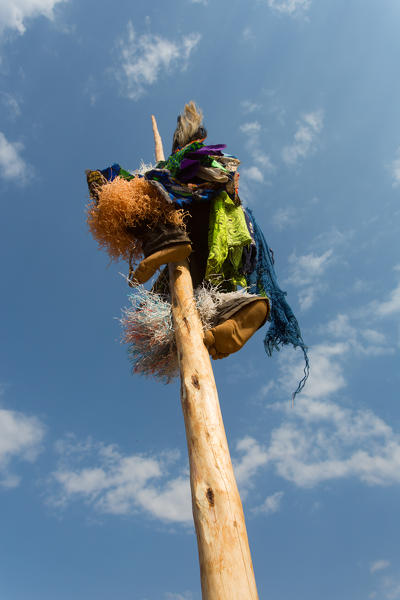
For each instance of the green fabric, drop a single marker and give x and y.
(216, 164)
(125, 175)
(227, 236)
(173, 162)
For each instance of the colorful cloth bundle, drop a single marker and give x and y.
(238, 254)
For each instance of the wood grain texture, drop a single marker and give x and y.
(159, 150)
(225, 562)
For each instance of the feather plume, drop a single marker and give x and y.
(189, 126)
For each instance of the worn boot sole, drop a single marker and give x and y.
(230, 336)
(149, 265)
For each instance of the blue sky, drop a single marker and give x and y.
(94, 497)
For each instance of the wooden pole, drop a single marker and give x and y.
(226, 569)
(159, 151)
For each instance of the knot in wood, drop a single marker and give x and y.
(210, 496)
(195, 382)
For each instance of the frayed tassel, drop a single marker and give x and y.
(148, 328)
(284, 328)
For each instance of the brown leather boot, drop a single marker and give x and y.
(150, 264)
(230, 336)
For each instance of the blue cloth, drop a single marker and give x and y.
(178, 192)
(111, 172)
(284, 328)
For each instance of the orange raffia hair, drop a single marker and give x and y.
(122, 204)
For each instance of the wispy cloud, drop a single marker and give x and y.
(386, 586)
(270, 505)
(20, 439)
(305, 137)
(391, 588)
(289, 7)
(319, 439)
(379, 565)
(145, 58)
(360, 339)
(395, 169)
(248, 35)
(185, 596)
(306, 273)
(12, 165)
(14, 14)
(11, 104)
(253, 456)
(250, 107)
(262, 163)
(391, 305)
(284, 217)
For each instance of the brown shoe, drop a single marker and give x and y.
(230, 336)
(150, 264)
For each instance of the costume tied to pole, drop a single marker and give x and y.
(188, 206)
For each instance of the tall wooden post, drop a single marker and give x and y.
(225, 562)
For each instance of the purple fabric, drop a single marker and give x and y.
(189, 169)
(204, 150)
(191, 163)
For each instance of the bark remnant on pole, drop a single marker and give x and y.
(225, 562)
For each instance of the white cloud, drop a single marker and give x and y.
(390, 306)
(379, 565)
(120, 485)
(11, 163)
(326, 375)
(270, 505)
(251, 127)
(146, 57)
(395, 169)
(253, 173)
(319, 439)
(305, 138)
(306, 273)
(253, 457)
(322, 441)
(20, 438)
(289, 7)
(263, 163)
(15, 13)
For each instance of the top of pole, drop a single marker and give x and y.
(159, 151)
